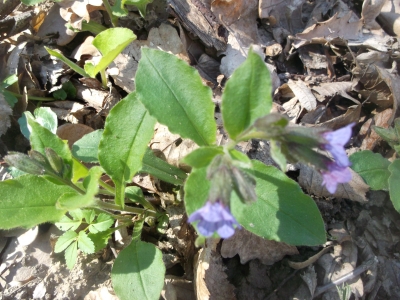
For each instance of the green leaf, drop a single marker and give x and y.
(118, 8)
(128, 129)
(388, 134)
(103, 222)
(140, 4)
(135, 194)
(187, 110)
(277, 155)
(71, 254)
(100, 239)
(77, 214)
(282, 211)
(44, 116)
(73, 200)
(138, 272)
(29, 200)
(42, 138)
(78, 170)
(60, 94)
(68, 62)
(202, 157)
(372, 167)
(110, 43)
(9, 80)
(67, 224)
(89, 215)
(64, 241)
(10, 98)
(85, 243)
(159, 168)
(247, 95)
(87, 147)
(394, 186)
(31, 2)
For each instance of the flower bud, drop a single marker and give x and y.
(24, 163)
(55, 161)
(244, 185)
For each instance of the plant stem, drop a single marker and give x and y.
(107, 187)
(103, 78)
(33, 97)
(135, 210)
(114, 19)
(93, 27)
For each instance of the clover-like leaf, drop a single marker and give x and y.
(64, 241)
(85, 243)
(103, 222)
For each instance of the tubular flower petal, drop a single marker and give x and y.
(214, 217)
(336, 140)
(335, 175)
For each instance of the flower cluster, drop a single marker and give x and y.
(214, 217)
(337, 172)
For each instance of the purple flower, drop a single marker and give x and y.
(336, 140)
(335, 175)
(214, 217)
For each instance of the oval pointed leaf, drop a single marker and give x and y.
(110, 43)
(202, 157)
(394, 186)
(162, 86)
(372, 167)
(247, 95)
(282, 211)
(29, 200)
(128, 129)
(138, 272)
(87, 147)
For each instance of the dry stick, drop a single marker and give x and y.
(349, 276)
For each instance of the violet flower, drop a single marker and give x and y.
(336, 140)
(214, 217)
(335, 175)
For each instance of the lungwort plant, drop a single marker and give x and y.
(224, 192)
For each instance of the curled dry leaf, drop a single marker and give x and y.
(250, 246)
(370, 10)
(303, 94)
(370, 137)
(75, 11)
(325, 91)
(311, 181)
(54, 23)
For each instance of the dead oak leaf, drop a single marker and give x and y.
(334, 28)
(78, 10)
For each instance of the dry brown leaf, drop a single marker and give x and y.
(370, 10)
(72, 132)
(292, 109)
(352, 115)
(329, 30)
(311, 181)
(325, 91)
(250, 246)
(371, 138)
(176, 288)
(393, 82)
(210, 279)
(124, 67)
(229, 11)
(86, 48)
(390, 22)
(54, 23)
(303, 94)
(76, 11)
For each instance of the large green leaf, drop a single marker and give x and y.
(29, 200)
(282, 211)
(87, 147)
(128, 129)
(110, 43)
(159, 168)
(247, 95)
(372, 167)
(42, 138)
(202, 156)
(172, 92)
(138, 272)
(394, 184)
